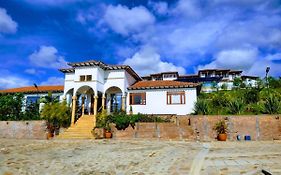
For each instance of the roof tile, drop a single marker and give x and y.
(32, 89)
(161, 84)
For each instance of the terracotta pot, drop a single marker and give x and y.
(108, 134)
(49, 135)
(222, 137)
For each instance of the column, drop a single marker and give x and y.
(96, 105)
(83, 105)
(103, 101)
(123, 107)
(74, 98)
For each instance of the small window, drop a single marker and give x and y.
(176, 97)
(137, 98)
(82, 78)
(89, 78)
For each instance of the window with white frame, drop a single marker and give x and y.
(175, 97)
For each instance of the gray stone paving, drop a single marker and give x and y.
(138, 157)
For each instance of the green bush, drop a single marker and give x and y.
(122, 120)
(11, 108)
(255, 108)
(236, 106)
(251, 96)
(102, 119)
(220, 100)
(272, 105)
(202, 107)
(147, 118)
(56, 114)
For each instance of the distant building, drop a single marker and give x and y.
(32, 94)
(217, 79)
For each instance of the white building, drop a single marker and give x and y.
(32, 94)
(93, 85)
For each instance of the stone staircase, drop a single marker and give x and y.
(80, 130)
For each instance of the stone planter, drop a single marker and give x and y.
(98, 133)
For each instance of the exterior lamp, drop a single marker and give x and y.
(266, 76)
(35, 85)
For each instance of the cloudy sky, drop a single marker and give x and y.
(38, 37)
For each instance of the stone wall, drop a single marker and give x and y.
(260, 127)
(23, 129)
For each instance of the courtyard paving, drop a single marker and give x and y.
(138, 157)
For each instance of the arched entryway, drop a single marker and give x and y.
(68, 96)
(85, 100)
(114, 99)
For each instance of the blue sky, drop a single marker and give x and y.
(38, 37)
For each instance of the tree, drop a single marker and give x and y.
(57, 114)
(215, 85)
(11, 106)
(237, 81)
(224, 86)
(274, 83)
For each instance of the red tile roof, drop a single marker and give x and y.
(32, 89)
(164, 84)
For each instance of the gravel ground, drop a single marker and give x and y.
(137, 157)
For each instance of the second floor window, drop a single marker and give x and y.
(82, 78)
(85, 77)
(89, 78)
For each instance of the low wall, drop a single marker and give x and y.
(259, 127)
(23, 129)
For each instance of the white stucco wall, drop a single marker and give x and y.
(156, 102)
(101, 79)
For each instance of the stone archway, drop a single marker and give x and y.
(114, 99)
(85, 99)
(68, 96)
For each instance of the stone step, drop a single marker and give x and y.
(81, 130)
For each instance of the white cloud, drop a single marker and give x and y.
(238, 59)
(160, 7)
(188, 8)
(33, 71)
(30, 71)
(273, 57)
(47, 57)
(13, 81)
(7, 24)
(125, 21)
(53, 81)
(147, 61)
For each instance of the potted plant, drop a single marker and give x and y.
(107, 131)
(221, 129)
(56, 114)
(102, 128)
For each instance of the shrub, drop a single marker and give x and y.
(252, 96)
(272, 105)
(122, 120)
(56, 114)
(236, 106)
(237, 81)
(220, 127)
(220, 100)
(224, 86)
(102, 119)
(148, 118)
(202, 107)
(255, 108)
